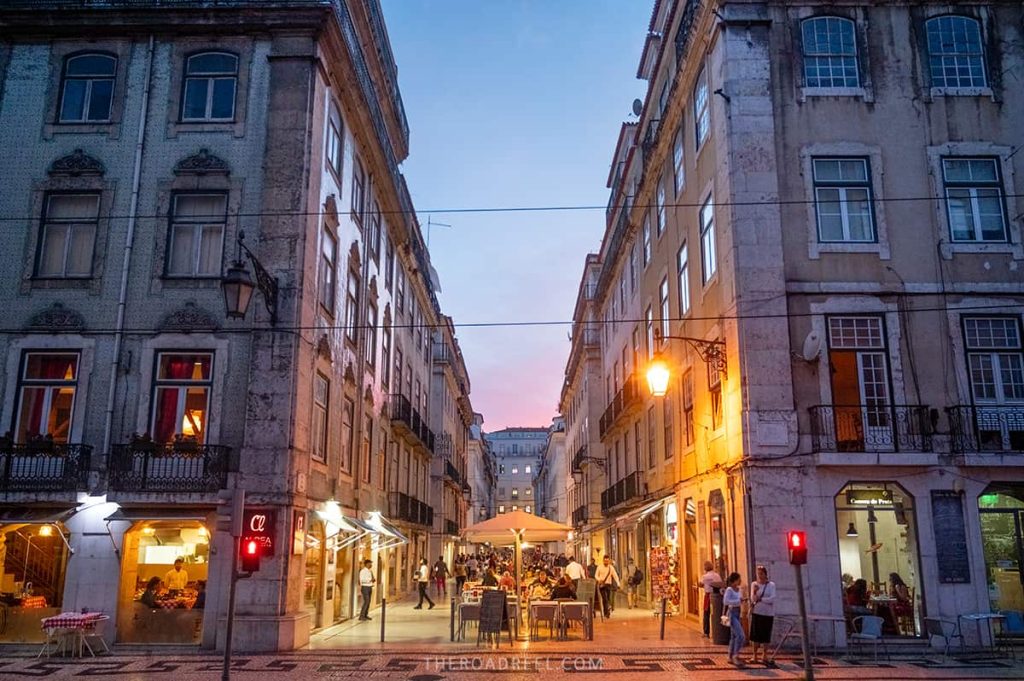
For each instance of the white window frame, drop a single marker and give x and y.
(200, 223)
(683, 275)
(997, 356)
(701, 110)
(321, 408)
(832, 59)
(972, 187)
(679, 164)
(71, 226)
(663, 304)
(708, 247)
(842, 187)
(660, 203)
(940, 61)
(211, 78)
(646, 249)
(90, 80)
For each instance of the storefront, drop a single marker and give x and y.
(718, 532)
(313, 571)
(1001, 509)
(691, 559)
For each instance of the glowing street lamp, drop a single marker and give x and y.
(658, 376)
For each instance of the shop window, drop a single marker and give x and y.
(182, 396)
(1002, 540)
(33, 563)
(163, 582)
(312, 576)
(878, 560)
(46, 395)
(695, 596)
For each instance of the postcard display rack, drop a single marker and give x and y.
(664, 580)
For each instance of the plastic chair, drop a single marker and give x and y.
(543, 612)
(468, 612)
(869, 631)
(576, 612)
(947, 630)
(94, 631)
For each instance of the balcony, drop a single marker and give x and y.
(628, 488)
(579, 516)
(452, 473)
(443, 353)
(622, 404)
(411, 510)
(451, 528)
(44, 467)
(578, 458)
(405, 417)
(986, 428)
(173, 467)
(871, 428)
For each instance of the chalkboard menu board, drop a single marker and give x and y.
(950, 537)
(492, 614)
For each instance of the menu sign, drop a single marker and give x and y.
(950, 537)
(258, 525)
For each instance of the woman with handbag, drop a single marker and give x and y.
(762, 600)
(732, 601)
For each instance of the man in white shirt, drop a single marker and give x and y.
(575, 571)
(422, 580)
(366, 582)
(176, 578)
(710, 583)
(607, 580)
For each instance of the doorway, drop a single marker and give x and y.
(859, 366)
(1001, 509)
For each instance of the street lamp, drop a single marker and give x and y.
(238, 286)
(658, 374)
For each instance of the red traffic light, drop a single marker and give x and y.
(251, 553)
(252, 549)
(797, 543)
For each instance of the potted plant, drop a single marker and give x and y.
(186, 444)
(143, 443)
(40, 444)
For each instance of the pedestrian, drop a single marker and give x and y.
(574, 571)
(732, 602)
(460, 573)
(762, 601)
(441, 577)
(635, 577)
(592, 568)
(471, 566)
(607, 581)
(366, 582)
(422, 580)
(711, 583)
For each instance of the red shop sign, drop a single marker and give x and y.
(258, 525)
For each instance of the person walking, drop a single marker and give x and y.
(574, 571)
(634, 578)
(762, 618)
(441, 577)
(366, 582)
(732, 600)
(422, 580)
(607, 581)
(592, 568)
(460, 574)
(710, 582)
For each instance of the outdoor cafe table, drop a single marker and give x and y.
(66, 632)
(978, 618)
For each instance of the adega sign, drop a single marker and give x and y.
(258, 525)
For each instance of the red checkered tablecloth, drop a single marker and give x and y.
(71, 620)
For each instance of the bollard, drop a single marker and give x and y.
(451, 624)
(383, 616)
(664, 601)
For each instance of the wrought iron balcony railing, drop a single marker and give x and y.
(452, 473)
(44, 467)
(629, 487)
(172, 467)
(404, 414)
(578, 458)
(871, 428)
(411, 509)
(579, 516)
(986, 428)
(623, 402)
(451, 528)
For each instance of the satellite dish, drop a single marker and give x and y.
(812, 347)
(638, 107)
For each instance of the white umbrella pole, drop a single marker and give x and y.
(519, 577)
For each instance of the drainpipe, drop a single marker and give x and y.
(129, 244)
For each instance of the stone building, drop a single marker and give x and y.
(517, 452)
(142, 139)
(550, 481)
(481, 474)
(822, 199)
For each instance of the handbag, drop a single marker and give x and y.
(724, 619)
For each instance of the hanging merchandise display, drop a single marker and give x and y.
(664, 579)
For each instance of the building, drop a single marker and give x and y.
(481, 473)
(819, 203)
(517, 453)
(144, 138)
(550, 481)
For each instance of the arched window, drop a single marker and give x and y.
(955, 56)
(830, 52)
(211, 79)
(87, 88)
(334, 139)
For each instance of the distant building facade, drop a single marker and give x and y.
(517, 454)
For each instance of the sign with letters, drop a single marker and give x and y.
(258, 525)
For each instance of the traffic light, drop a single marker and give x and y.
(797, 542)
(251, 552)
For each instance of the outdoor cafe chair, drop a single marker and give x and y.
(576, 611)
(543, 611)
(468, 612)
(947, 630)
(869, 631)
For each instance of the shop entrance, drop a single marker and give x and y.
(313, 575)
(691, 557)
(162, 595)
(1001, 510)
(34, 561)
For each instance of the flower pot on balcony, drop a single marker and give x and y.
(186, 445)
(40, 445)
(143, 443)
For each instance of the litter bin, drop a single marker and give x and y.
(719, 634)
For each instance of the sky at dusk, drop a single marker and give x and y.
(514, 103)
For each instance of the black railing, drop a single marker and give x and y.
(452, 473)
(986, 428)
(622, 491)
(627, 397)
(451, 527)
(172, 467)
(579, 516)
(685, 30)
(411, 510)
(403, 413)
(871, 428)
(44, 467)
(578, 459)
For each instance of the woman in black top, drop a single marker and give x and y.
(149, 595)
(563, 590)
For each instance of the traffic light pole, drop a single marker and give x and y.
(804, 631)
(235, 548)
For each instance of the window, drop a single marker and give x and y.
(528, 469)
(358, 190)
(689, 434)
(335, 145)
(649, 323)
(701, 115)
(830, 53)
(715, 393)
(373, 239)
(501, 470)
(389, 263)
(679, 172)
(398, 370)
(321, 407)
(637, 444)
(647, 239)
(683, 268)
(660, 205)
(708, 259)
(515, 493)
(400, 295)
(666, 418)
(210, 81)
(197, 235)
(974, 199)
(348, 415)
(68, 235)
(385, 360)
(515, 469)
(859, 372)
(632, 269)
(651, 428)
(663, 301)
(88, 88)
(365, 467)
(528, 509)
(46, 395)
(995, 359)
(371, 334)
(663, 97)
(515, 508)
(955, 53)
(842, 199)
(351, 305)
(501, 508)
(182, 396)
(328, 271)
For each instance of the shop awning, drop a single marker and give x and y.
(137, 514)
(638, 515)
(389, 534)
(603, 525)
(34, 515)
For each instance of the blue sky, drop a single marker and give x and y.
(514, 103)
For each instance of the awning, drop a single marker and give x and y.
(603, 525)
(34, 515)
(389, 534)
(137, 514)
(638, 515)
